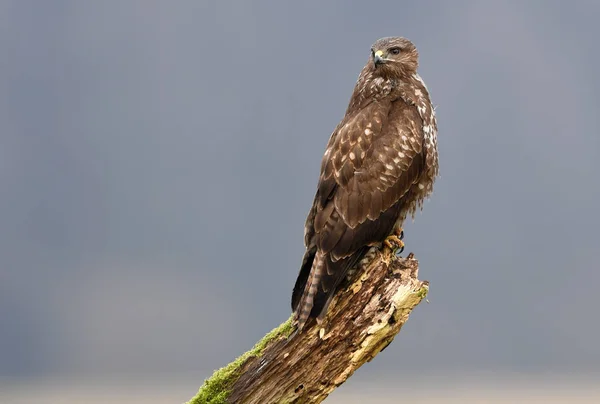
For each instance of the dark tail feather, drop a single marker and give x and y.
(302, 279)
(305, 305)
(317, 282)
(331, 280)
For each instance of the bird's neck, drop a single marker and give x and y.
(370, 87)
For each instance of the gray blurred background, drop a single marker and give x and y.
(158, 158)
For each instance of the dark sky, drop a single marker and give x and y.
(157, 161)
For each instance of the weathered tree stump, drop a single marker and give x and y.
(363, 319)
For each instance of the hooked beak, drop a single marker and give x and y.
(378, 58)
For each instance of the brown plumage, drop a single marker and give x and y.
(379, 165)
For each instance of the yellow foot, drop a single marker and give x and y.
(394, 243)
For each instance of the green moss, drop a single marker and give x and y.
(422, 293)
(215, 390)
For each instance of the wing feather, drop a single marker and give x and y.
(375, 158)
(371, 161)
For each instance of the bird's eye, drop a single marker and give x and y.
(395, 51)
(372, 51)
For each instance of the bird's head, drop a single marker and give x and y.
(394, 56)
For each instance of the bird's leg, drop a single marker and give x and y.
(394, 241)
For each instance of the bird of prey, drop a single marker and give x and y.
(379, 166)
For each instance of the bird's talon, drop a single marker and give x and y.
(399, 251)
(395, 244)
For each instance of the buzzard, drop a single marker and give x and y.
(379, 166)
